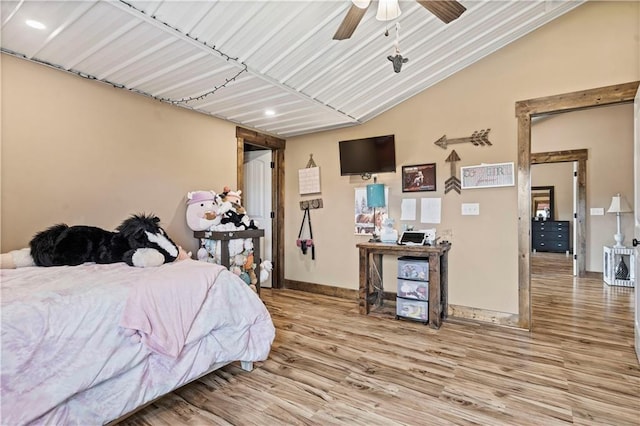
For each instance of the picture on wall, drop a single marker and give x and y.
(364, 215)
(419, 178)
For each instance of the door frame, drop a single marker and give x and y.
(524, 111)
(277, 146)
(580, 156)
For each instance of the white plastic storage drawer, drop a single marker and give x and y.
(413, 289)
(414, 309)
(413, 268)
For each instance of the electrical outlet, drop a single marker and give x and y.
(597, 211)
(470, 209)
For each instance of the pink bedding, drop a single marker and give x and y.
(161, 310)
(66, 359)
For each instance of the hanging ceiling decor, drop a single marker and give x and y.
(397, 60)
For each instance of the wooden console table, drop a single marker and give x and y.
(371, 257)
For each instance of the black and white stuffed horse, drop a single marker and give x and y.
(138, 241)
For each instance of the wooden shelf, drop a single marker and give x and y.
(226, 236)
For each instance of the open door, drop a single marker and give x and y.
(636, 214)
(275, 146)
(574, 219)
(257, 183)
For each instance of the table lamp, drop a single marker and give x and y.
(619, 205)
(375, 199)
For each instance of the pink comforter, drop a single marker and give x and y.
(66, 360)
(162, 309)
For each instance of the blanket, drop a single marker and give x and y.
(161, 309)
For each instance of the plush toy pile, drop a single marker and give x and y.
(138, 241)
(209, 211)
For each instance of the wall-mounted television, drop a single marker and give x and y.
(368, 155)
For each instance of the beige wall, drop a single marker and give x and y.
(79, 151)
(607, 134)
(595, 45)
(82, 152)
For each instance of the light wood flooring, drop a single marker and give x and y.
(331, 366)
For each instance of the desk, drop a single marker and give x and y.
(371, 257)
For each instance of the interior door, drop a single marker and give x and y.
(257, 200)
(636, 214)
(574, 219)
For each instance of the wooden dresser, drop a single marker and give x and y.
(550, 235)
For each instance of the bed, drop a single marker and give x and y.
(89, 344)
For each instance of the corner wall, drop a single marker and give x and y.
(84, 153)
(592, 46)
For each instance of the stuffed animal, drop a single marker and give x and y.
(16, 259)
(265, 269)
(232, 210)
(207, 211)
(138, 241)
(202, 210)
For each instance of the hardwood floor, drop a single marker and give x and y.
(330, 365)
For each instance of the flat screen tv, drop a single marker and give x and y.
(369, 155)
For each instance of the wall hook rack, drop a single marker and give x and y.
(316, 203)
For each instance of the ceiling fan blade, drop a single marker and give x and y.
(446, 11)
(349, 23)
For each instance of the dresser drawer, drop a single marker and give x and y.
(413, 268)
(413, 289)
(549, 226)
(550, 245)
(413, 309)
(550, 236)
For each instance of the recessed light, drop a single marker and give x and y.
(269, 112)
(35, 24)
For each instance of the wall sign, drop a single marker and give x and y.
(309, 180)
(487, 175)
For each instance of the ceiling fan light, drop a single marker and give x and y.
(388, 10)
(362, 4)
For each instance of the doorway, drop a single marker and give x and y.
(248, 141)
(525, 110)
(257, 200)
(578, 157)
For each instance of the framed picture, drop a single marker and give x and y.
(488, 175)
(367, 218)
(419, 178)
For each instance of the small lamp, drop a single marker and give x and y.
(619, 205)
(375, 199)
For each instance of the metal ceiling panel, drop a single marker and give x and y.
(236, 59)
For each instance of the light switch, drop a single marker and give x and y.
(597, 211)
(470, 209)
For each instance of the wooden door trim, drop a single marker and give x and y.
(581, 156)
(525, 110)
(277, 146)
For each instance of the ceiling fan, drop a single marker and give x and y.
(445, 10)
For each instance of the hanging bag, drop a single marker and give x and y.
(304, 243)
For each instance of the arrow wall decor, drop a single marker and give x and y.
(453, 182)
(478, 138)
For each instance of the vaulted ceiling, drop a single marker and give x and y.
(238, 59)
